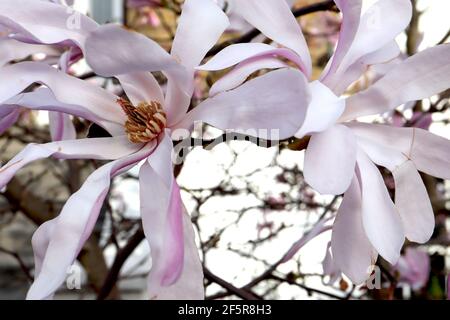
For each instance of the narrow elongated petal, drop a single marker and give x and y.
(240, 52)
(276, 21)
(318, 229)
(323, 112)
(61, 127)
(381, 220)
(352, 250)
(98, 148)
(260, 104)
(133, 52)
(351, 11)
(74, 225)
(386, 57)
(141, 87)
(330, 160)
(377, 29)
(55, 23)
(94, 102)
(11, 49)
(200, 26)
(242, 71)
(7, 120)
(420, 76)
(176, 271)
(413, 203)
(429, 152)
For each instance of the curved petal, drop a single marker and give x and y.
(61, 127)
(6, 121)
(330, 160)
(11, 49)
(97, 148)
(241, 52)
(377, 29)
(351, 11)
(352, 251)
(418, 77)
(242, 71)
(429, 152)
(95, 102)
(133, 52)
(319, 228)
(56, 23)
(323, 111)
(260, 104)
(386, 57)
(276, 21)
(200, 26)
(413, 203)
(381, 220)
(176, 271)
(141, 87)
(74, 225)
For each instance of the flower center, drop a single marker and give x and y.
(145, 121)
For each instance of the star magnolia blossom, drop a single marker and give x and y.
(342, 155)
(414, 268)
(24, 36)
(141, 129)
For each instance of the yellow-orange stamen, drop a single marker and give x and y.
(145, 121)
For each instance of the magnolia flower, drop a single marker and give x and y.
(141, 129)
(414, 268)
(342, 155)
(24, 36)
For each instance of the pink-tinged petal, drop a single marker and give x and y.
(414, 268)
(200, 26)
(260, 105)
(386, 57)
(6, 121)
(133, 52)
(381, 220)
(420, 76)
(352, 251)
(141, 87)
(240, 52)
(330, 160)
(201, 23)
(44, 99)
(85, 99)
(377, 29)
(242, 71)
(74, 225)
(55, 23)
(11, 50)
(61, 127)
(382, 154)
(320, 227)
(276, 21)
(329, 267)
(429, 152)
(351, 11)
(413, 203)
(323, 112)
(176, 271)
(98, 148)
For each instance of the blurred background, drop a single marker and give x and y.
(249, 204)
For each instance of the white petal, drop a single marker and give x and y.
(330, 160)
(381, 220)
(413, 203)
(352, 250)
